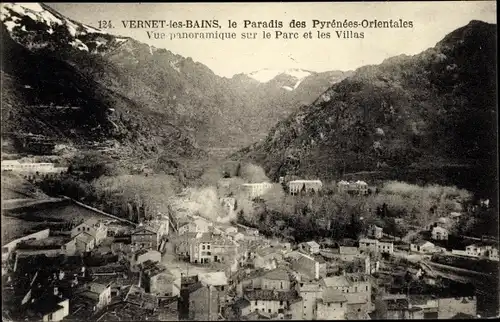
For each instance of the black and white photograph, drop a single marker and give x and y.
(195, 161)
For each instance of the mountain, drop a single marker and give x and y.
(269, 95)
(58, 83)
(434, 109)
(185, 95)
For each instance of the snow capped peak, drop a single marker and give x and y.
(265, 75)
(12, 13)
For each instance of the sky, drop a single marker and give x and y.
(431, 22)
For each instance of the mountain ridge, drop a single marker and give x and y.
(433, 107)
(216, 111)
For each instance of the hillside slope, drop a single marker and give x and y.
(430, 110)
(178, 91)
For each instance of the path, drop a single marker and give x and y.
(99, 211)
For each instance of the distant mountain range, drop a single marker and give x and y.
(434, 109)
(160, 100)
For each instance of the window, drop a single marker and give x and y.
(256, 303)
(367, 287)
(49, 317)
(269, 310)
(208, 246)
(281, 302)
(341, 304)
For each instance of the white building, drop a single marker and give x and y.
(308, 186)
(31, 167)
(254, 190)
(358, 187)
(439, 233)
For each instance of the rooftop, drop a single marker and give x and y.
(152, 268)
(46, 243)
(331, 295)
(241, 303)
(368, 240)
(347, 250)
(213, 278)
(84, 237)
(271, 295)
(47, 304)
(423, 242)
(277, 274)
(356, 298)
(312, 243)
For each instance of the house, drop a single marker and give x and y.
(254, 190)
(242, 307)
(159, 281)
(84, 242)
(140, 300)
(375, 231)
(93, 227)
(385, 247)
(423, 246)
(236, 236)
(332, 305)
(99, 293)
(492, 254)
(358, 187)
(439, 233)
(31, 167)
(50, 308)
(211, 247)
(306, 186)
(8, 248)
(310, 247)
(149, 235)
(217, 281)
(355, 287)
(271, 302)
(198, 225)
(376, 246)
(362, 264)
(479, 250)
(368, 245)
(312, 267)
(142, 255)
(309, 292)
(267, 257)
(182, 244)
(398, 307)
(50, 246)
(200, 302)
(278, 279)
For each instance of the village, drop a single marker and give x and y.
(181, 266)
